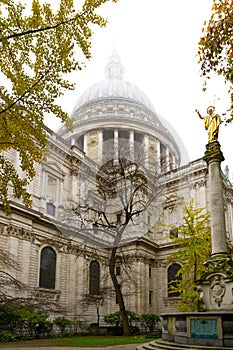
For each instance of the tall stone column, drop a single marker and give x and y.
(116, 146)
(131, 145)
(146, 147)
(85, 143)
(167, 159)
(158, 155)
(100, 146)
(217, 282)
(214, 157)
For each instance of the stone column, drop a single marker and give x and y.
(100, 147)
(116, 147)
(214, 157)
(217, 282)
(146, 146)
(85, 143)
(167, 160)
(173, 165)
(158, 155)
(131, 145)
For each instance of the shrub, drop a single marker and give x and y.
(21, 322)
(7, 336)
(148, 322)
(62, 323)
(115, 320)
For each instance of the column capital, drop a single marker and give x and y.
(213, 153)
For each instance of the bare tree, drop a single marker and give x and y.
(120, 203)
(8, 282)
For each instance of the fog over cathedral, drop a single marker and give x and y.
(62, 253)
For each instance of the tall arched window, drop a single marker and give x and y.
(172, 279)
(94, 278)
(47, 268)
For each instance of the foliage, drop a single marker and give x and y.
(7, 336)
(78, 327)
(215, 46)
(116, 318)
(193, 248)
(22, 323)
(38, 51)
(17, 322)
(63, 323)
(148, 322)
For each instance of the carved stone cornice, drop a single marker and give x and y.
(20, 232)
(136, 257)
(199, 183)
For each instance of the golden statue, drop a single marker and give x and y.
(211, 122)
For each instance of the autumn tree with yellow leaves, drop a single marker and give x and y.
(216, 46)
(38, 50)
(193, 248)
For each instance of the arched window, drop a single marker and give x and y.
(47, 268)
(172, 279)
(94, 278)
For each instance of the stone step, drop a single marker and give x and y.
(165, 345)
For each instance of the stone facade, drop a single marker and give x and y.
(33, 235)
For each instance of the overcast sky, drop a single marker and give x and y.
(157, 43)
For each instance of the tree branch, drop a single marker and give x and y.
(38, 30)
(25, 93)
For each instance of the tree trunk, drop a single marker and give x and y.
(98, 315)
(119, 295)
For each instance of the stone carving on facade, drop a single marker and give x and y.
(218, 289)
(2, 228)
(161, 263)
(20, 232)
(222, 264)
(59, 246)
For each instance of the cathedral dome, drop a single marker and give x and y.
(117, 109)
(114, 86)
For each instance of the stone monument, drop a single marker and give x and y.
(213, 324)
(217, 283)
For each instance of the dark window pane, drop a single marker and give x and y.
(150, 275)
(173, 279)
(150, 297)
(94, 284)
(118, 271)
(50, 208)
(47, 268)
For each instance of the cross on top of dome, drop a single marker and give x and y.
(114, 68)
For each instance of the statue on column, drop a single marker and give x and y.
(211, 123)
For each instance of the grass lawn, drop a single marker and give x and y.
(80, 341)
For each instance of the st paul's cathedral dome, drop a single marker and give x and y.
(113, 110)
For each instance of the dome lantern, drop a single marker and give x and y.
(114, 68)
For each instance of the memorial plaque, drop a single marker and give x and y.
(204, 328)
